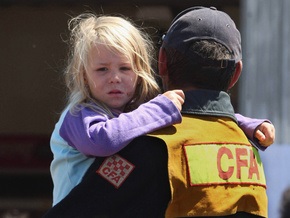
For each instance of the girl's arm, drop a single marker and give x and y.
(260, 131)
(95, 135)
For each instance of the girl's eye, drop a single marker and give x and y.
(102, 69)
(125, 68)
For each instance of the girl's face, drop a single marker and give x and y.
(110, 78)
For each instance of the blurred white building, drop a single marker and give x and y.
(264, 90)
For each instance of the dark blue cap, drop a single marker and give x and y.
(199, 23)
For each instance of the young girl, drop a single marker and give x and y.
(109, 73)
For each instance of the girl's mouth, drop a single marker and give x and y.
(114, 92)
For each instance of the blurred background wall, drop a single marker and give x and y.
(264, 90)
(33, 55)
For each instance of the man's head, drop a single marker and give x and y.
(202, 49)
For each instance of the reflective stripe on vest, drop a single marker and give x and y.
(210, 164)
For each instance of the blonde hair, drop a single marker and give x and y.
(120, 36)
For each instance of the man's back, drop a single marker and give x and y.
(213, 169)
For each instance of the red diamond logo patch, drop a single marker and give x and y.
(115, 169)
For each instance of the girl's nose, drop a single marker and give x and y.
(115, 77)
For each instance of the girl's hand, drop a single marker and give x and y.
(176, 96)
(265, 133)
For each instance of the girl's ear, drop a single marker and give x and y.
(85, 78)
(236, 75)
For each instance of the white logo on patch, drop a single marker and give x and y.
(115, 169)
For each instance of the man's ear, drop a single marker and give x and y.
(236, 75)
(162, 62)
(162, 67)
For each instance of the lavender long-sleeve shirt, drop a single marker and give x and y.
(97, 135)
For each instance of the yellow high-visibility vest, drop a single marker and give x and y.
(213, 169)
